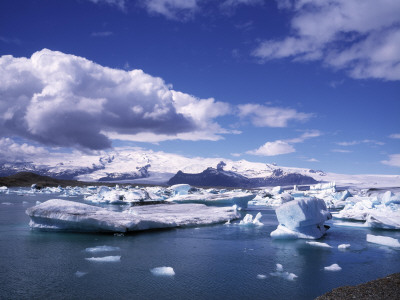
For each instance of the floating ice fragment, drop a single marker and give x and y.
(116, 258)
(318, 244)
(6, 203)
(383, 240)
(62, 215)
(80, 274)
(248, 220)
(163, 271)
(38, 202)
(102, 249)
(333, 268)
(261, 276)
(302, 218)
(343, 246)
(286, 275)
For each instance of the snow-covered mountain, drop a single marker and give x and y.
(147, 166)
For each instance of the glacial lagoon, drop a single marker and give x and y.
(223, 261)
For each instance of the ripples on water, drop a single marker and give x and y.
(212, 262)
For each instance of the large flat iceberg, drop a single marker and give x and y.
(302, 218)
(62, 215)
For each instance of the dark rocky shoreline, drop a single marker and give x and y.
(387, 288)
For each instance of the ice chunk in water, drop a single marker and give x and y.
(302, 218)
(180, 189)
(102, 249)
(80, 274)
(65, 215)
(105, 259)
(383, 240)
(248, 220)
(280, 273)
(333, 268)
(343, 246)
(261, 276)
(318, 244)
(163, 271)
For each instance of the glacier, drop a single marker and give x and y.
(302, 218)
(63, 215)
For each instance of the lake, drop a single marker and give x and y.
(210, 262)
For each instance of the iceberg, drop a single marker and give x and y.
(248, 220)
(102, 249)
(383, 240)
(116, 258)
(318, 244)
(302, 218)
(163, 271)
(343, 246)
(240, 199)
(333, 268)
(62, 215)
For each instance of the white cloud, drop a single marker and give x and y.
(65, 100)
(312, 160)
(117, 3)
(341, 151)
(101, 34)
(10, 151)
(395, 136)
(268, 116)
(172, 9)
(357, 142)
(394, 160)
(360, 36)
(273, 148)
(283, 146)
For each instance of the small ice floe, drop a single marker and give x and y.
(349, 224)
(248, 220)
(261, 276)
(343, 246)
(6, 203)
(318, 244)
(163, 271)
(38, 202)
(280, 273)
(116, 258)
(80, 274)
(102, 249)
(383, 240)
(333, 268)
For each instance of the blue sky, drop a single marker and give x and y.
(302, 83)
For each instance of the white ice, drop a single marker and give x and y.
(80, 274)
(116, 258)
(333, 268)
(239, 198)
(248, 220)
(163, 271)
(280, 273)
(344, 246)
(261, 276)
(180, 189)
(383, 240)
(302, 218)
(62, 215)
(318, 244)
(102, 249)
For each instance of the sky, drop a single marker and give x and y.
(301, 83)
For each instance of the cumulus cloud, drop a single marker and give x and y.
(361, 36)
(65, 100)
(283, 146)
(273, 148)
(10, 151)
(394, 160)
(269, 116)
(172, 9)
